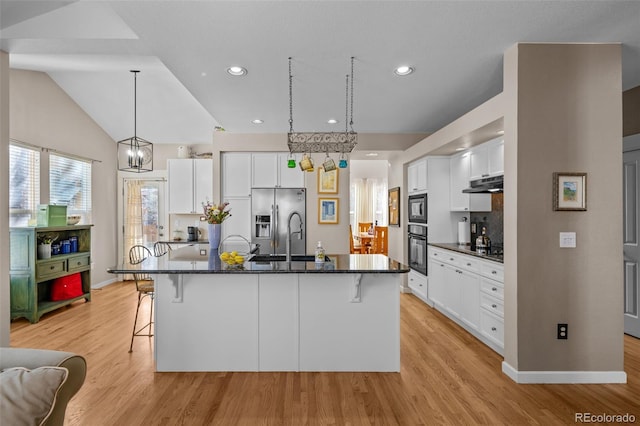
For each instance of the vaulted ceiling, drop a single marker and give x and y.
(183, 50)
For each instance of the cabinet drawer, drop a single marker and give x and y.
(493, 288)
(492, 327)
(439, 255)
(469, 263)
(492, 304)
(492, 270)
(78, 263)
(52, 268)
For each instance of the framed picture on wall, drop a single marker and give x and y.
(394, 206)
(569, 191)
(327, 181)
(328, 211)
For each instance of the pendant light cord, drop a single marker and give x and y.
(290, 98)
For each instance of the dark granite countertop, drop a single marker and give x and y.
(466, 249)
(196, 259)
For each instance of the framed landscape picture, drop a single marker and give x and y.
(569, 191)
(394, 206)
(328, 211)
(327, 181)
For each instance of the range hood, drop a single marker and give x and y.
(487, 185)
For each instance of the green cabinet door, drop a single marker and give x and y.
(23, 303)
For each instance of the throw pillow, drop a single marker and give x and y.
(27, 397)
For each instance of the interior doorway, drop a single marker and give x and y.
(631, 234)
(369, 197)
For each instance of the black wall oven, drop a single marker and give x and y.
(417, 208)
(418, 248)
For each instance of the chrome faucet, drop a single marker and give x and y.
(289, 233)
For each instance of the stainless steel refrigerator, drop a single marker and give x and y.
(271, 209)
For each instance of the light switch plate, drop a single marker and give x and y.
(567, 240)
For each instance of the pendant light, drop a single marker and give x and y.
(135, 154)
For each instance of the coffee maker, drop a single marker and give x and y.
(476, 231)
(193, 233)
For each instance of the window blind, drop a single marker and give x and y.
(24, 184)
(70, 184)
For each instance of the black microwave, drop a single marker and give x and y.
(417, 208)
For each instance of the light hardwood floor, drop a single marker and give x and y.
(447, 377)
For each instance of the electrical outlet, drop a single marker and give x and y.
(563, 331)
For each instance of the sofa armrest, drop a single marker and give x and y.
(34, 358)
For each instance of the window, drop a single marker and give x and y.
(70, 184)
(368, 201)
(24, 185)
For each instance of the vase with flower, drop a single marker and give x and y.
(215, 214)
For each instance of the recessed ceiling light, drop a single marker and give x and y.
(237, 71)
(332, 121)
(257, 121)
(460, 149)
(371, 154)
(501, 132)
(404, 70)
(203, 74)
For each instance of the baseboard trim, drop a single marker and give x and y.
(104, 283)
(564, 377)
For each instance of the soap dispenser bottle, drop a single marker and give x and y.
(319, 253)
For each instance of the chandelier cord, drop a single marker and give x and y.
(290, 98)
(346, 105)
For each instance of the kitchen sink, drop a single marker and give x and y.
(265, 258)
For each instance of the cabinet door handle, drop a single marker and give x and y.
(494, 306)
(485, 174)
(451, 259)
(468, 264)
(52, 267)
(493, 329)
(78, 263)
(494, 289)
(494, 272)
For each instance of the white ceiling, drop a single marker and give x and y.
(183, 48)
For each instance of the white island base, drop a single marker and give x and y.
(278, 322)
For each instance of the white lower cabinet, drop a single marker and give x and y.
(470, 291)
(418, 284)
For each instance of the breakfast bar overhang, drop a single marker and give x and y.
(343, 315)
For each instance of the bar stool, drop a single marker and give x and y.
(145, 287)
(160, 249)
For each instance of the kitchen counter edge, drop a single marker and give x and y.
(465, 249)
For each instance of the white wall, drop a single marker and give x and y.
(42, 114)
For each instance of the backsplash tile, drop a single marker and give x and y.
(494, 219)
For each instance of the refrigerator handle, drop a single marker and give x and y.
(273, 224)
(277, 231)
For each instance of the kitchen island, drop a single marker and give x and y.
(343, 315)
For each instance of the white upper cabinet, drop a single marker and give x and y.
(460, 169)
(190, 183)
(496, 157)
(289, 177)
(236, 174)
(417, 176)
(487, 159)
(265, 170)
(270, 170)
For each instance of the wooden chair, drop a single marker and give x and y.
(160, 249)
(380, 240)
(354, 245)
(364, 227)
(145, 287)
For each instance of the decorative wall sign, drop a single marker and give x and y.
(569, 191)
(394, 206)
(328, 210)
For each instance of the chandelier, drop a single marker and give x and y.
(135, 154)
(335, 142)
